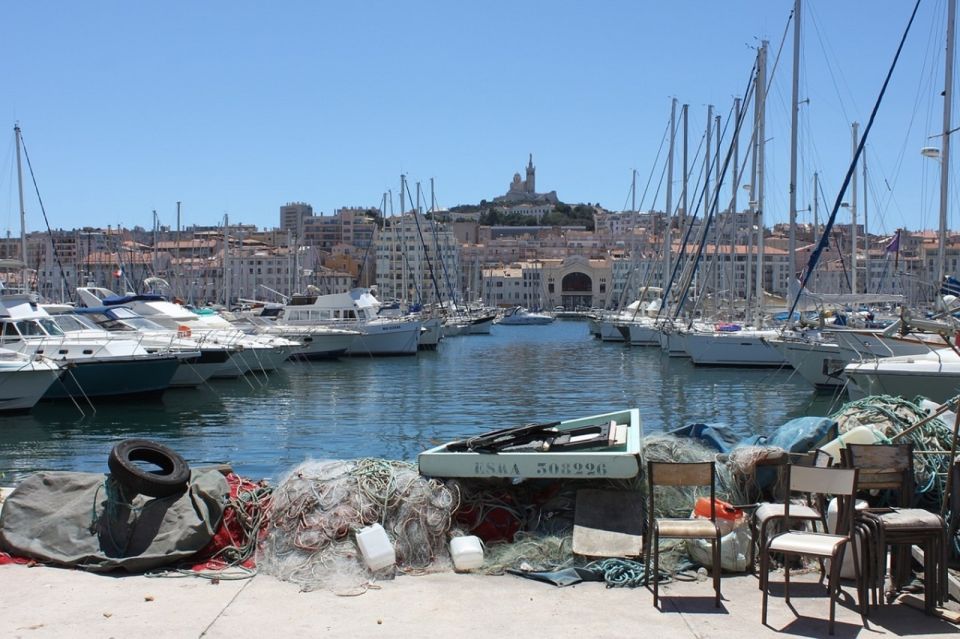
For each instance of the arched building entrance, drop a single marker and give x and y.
(576, 290)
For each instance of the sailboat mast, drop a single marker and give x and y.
(816, 204)
(853, 214)
(794, 109)
(23, 212)
(945, 144)
(866, 228)
(669, 212)
(227, 279)
(178, 289)
(761, 97)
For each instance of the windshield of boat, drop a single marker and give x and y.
(74, 323)
(45, 326)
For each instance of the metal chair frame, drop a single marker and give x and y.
(891, 467)
(840, 483)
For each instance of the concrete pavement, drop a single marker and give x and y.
(42, 602)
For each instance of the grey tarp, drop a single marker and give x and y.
(82, 520)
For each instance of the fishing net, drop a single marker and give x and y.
(319, 507)
(890, 416)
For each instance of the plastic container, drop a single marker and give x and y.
(375, 546)
(728, 517)
(846, 568)
(467, 553)
(857, 435)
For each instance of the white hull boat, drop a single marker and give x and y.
(24, 380)
(518, 316)
(600, 446)
(734, 348)
(935, 376)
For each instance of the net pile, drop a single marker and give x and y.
(317, 509)
(890, 416)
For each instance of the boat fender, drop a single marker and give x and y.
(172, 477)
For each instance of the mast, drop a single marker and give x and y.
(667, 248)
(178, 288)
(816, 201)
(855, 130)
(866, 230)
(733, 202)
(706, 194)
(716, 227)
(633, 192)
(23, 213)
(945, 148)
(794, 109)
(400, 239)
(227, 280)
(761, 97)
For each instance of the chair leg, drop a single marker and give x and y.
(834, 589)
(656, 569)
(859, 580)
(716, 569)
(764, 582)
(786, 578)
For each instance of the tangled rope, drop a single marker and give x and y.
(891, 416)
(319, 506)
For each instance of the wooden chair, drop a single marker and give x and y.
(681, 474)
(839, 482)
(890, 467)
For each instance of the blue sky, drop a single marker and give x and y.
(239, 107)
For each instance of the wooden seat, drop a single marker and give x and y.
(839, 482)
(680, 474)
(890, 467)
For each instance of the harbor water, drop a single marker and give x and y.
(396, 407)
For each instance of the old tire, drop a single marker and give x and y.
(171, 478)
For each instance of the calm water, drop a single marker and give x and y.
(396, 407)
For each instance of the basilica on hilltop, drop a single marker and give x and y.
(521, 191)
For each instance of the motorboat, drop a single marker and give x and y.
(519, 316)
(257, 353)
(24, 379)
(100, 364)
(199, 360)
(357, 310)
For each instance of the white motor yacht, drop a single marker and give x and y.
(24, 379)
(519, 316)
(257, 353)
(100, 364)
(356, 310)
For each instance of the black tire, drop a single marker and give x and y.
(172, 478)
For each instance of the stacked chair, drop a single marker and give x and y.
(890, 467)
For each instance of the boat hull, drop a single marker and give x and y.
(119, 377)
(608, 462)
(740, 350)
(22, 386)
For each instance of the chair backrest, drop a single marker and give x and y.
(883, 466)
(839, 482)
(681, 474)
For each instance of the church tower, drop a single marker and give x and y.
(531, 176)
